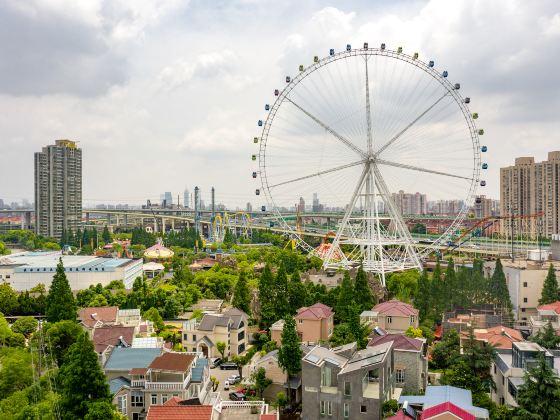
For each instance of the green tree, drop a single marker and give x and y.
(25, 325)
(82, 380)
(60, 336)
(25, 304)
(106, 236)
(153, 315)
(550, 292)
(358, 330)
(447, 351)
(297, 292)
(413, 332)
(267, 297)
(221, 346)
(479, 357)
(547, 337)
(345, 298)
(15, 371)
(539, 396)
(363, 296)
(290, 353)
(8, 299)
(215, 383)
(102, 410)
(281, 303)
(60, 300)
(450, 284)
(261, 381)
(498, 287)
(3, 249)
(423, 299)
(242, 294)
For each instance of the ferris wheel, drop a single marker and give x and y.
(373, 134)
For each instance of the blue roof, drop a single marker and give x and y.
(125, 358)
(436, 395)
(198, 370)
(117, 383)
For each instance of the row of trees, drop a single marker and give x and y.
(29, 240)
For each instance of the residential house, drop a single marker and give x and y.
(181, 375)
(393, 316)
(91, 318)
(173, 409)
(435, 403)
(276, 331)
(106, 338)
(342, 387)
(509, 368)
(443, 411)
(411, 361)
(274, 372)
(208, 306)
(545, 314)
(315, 323)
(123, 359)
(129, 317)
(499, 337)
(229, 327)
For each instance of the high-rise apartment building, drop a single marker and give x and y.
(58, 188)
(532, 188)
(486, 207)
(410, 203)
(186, 197)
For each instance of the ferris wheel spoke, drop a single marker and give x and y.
(404, 130)
(326, 171)
(340, 137)
(419, 169)
(368, 113)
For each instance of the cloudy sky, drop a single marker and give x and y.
(165, 94)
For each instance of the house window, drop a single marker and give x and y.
(136, 416)
(524, 284)
(300, 321)
(164, 398)
(185, 337)
(121, 404)
(137, 399)
(194, 337)
(347, 388)
(400, 376)
(241, 336)
(326, 376)
(412, 319)
(153, 399)
(524, 300)
(363, 409)
(323, 407)
(329, 408)
(346, 410)
(389, 320)
(522, 309)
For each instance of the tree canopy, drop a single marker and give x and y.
(61, 304)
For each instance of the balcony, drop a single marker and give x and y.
(138, 383)
(165, 386)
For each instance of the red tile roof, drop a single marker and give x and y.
(402, 342)
(172, 401)
(177, 362)
(446, 407)
(138, 371)
(110, 336)
(180, 412)
(316, 311)
(395, 308)
(500, 337)
(555, 306)
(268, 417)
(90, 316)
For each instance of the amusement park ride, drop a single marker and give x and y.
(357, 126)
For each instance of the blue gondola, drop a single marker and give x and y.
(260, 123)
(431, 63)
(348, 47)
(365, 45)
(482, 183)
(478, 200)
(331, 51)
(484, 148)
(457, 86)
(444, 74)
(258, 192)
(276, 92)
(267, 107)
(288, 80)
(382, 46)
(480, 132)
(254, 174)
(467, 100)
(255, 139)
(484, 166)
(263, 208)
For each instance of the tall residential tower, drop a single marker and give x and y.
(58, 188)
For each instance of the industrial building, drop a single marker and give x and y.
(26, 270)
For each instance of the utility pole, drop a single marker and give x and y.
(213, 217)
(512, 231)
(196, 209)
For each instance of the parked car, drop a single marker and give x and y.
(215, 362)
(233, 379)
(236, 396)
(228, 366)
(226, 386)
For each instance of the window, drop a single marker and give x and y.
(522, 309)
(412, 319)
(524, 284)
(164, 398)
(363, 409)
(241, 336)
(400, 376)
(346, 410)
(326, 408)
(136, 416)
(524, 300)
(326, 376)
(389, 320)
(323, 410)
(347, 388)
(300, 321)
(121, 404)
(185, 337)
(194, 337)
(153, 399)
(137, 399)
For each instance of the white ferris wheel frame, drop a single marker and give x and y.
(450, 91)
